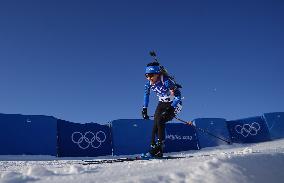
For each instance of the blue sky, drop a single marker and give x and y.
(83, 61)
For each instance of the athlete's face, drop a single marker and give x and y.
(153, 78)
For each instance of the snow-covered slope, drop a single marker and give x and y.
(262, 162)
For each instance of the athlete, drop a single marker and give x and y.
(170, 104)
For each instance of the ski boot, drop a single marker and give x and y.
(156, 150)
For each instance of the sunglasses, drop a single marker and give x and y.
(149, 75)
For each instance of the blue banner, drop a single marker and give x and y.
(27, 134)
(89, 139)
(275, 123)
(180, 137)
(131, 136)
(248, 130)
(216, 126)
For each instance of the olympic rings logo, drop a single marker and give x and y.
(248, 129)
(94, 140)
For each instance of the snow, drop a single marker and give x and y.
(260, 162)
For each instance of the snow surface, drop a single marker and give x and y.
(261, 163)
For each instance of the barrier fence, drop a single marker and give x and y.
(27, 134)
(46, 135)
(90, 139)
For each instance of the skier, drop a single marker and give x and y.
(169, 105)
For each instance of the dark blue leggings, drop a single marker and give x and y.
(160, 122)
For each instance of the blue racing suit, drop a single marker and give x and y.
(162, 88)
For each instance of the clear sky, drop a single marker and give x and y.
(84, 61)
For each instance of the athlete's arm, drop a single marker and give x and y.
(174, 91)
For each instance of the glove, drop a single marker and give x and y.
(169, 113)
(144, 113)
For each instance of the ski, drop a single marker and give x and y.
(119, 160)
(143, 158)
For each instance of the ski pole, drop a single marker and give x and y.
(203, 130)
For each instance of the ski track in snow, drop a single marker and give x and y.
(261, 162)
